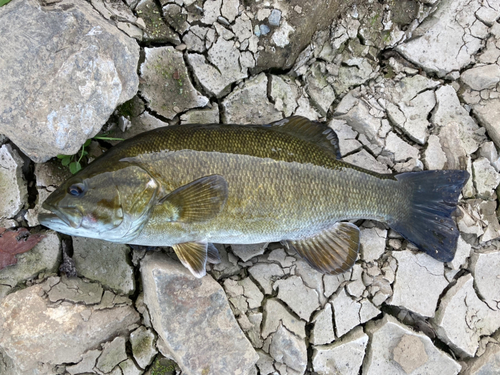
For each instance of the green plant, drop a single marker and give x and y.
(74, 162)
(3, 2)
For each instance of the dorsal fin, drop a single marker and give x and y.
(312, 131)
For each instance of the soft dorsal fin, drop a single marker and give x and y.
(193, 255)
(200, 200)
(333, 250)
(315, 132)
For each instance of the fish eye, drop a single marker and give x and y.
(77, 190)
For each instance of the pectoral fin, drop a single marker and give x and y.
(213, 256)
(193, 255)
(199, 200)
(333, 250)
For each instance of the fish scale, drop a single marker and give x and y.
(187, 186)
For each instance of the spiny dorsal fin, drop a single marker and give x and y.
(193, 255)
(333, 250)
(199, 200)
(315, 132)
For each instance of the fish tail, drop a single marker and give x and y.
(426, 218)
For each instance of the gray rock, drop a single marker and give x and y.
(34, 332)
(484, 268)
(288, 349)
(410, 353)
(322, 332)
(87, 363)
(487, 363)
(250, 104)
(63, 98)
(284, 92)
(230, 9)
(481, 77)
(128, 367)
(140, 124)
(155, 29)
(201, 116)
(143, 348)
(211, 11)
(217, 78)
(106, 262)
(247, 252)
(462, 318)
(275, 17)
(434, 156)
(486, 178)
(365, 160)
(349, 313)
(13, 188)
(75, 290)
(487, 112)
(300, 298)
(243, 27)
(166, 86)
(342, 357)
(176, 17)
(277, 314)
(121, 15)
(399, 148)
(185, 311)
(43, 258)
(445, 42)
(112, 354)
(318, 88)
(386, 335)
(372, 242)
(347, 136)
(419, 282)
(252, 293)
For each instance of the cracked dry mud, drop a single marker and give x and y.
(407, 85)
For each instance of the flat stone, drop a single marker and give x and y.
(247, 252)
(410, 353)
(33, 331)
(322, 332)
(449, 110)
(399, 148)
(155, 29)
(434, 156)
(128, 367)
(252, 293)
(488, 363)
(43, 258)
(288, 349)
(318, 88)
(301, 299)
(349, 313)
(105, 262)
(76, 290)
(143, 346)
(87, 363)
(242, 27)
(176, 17)
(250, 104)
(217, 80)
(372, 242)
(167, 87)
(486, 178)
(481, 77)
(53, 102)
(211, 11)
(201, 116)
(344, 356)
(365, 160)
(419, 282)
(284, 92)
(485, 269)
(462, 318)
(230, 9)
(276, 314)
(13, 188)
(265, 274)
(386, 335)
(347, 136)
(185, 311)
(140, 124)
(443, 42)
(112, 354)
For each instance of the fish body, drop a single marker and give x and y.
(188, 186)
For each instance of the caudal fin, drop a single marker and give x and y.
(427, 220)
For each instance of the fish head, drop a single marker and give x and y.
(112, 205)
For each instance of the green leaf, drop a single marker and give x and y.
(109, 138)
(75, 167)
(60, 156)
(65, 161)
(3, 2)
(87, 142)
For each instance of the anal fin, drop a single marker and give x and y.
(193, 255)
(331, 251)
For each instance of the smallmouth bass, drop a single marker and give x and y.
(189, 186)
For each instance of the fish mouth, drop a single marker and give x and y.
(70, 216)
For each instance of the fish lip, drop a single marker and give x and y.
(58, 212)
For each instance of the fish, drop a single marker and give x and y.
(192, 186)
